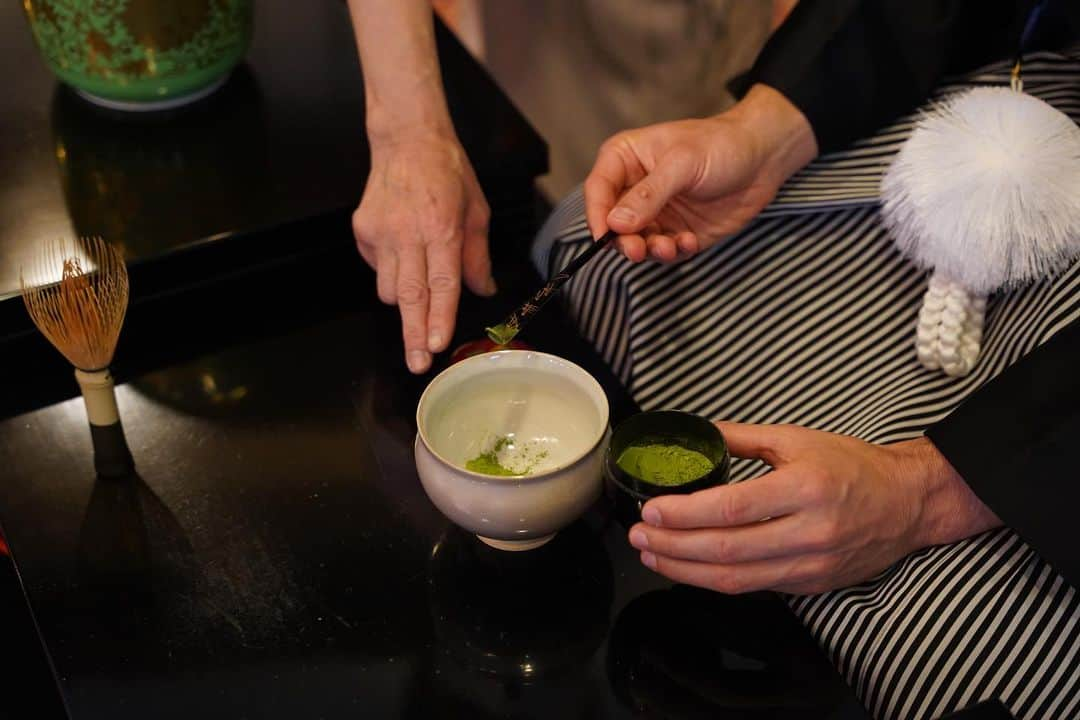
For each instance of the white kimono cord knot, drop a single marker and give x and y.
(949, 331)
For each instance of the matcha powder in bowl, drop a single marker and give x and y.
(508, 457)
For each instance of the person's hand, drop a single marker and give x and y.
(834, 511)
(422, 225)
(673, 189)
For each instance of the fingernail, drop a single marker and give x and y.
(434, 342)
(418, 360)
(623, 215)
(651, 515)
(490, 287)
(639, 540)
(648, 560)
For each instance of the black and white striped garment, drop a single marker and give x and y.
(808, 317)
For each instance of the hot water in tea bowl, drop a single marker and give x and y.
(549, 420)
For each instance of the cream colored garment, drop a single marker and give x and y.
(582, 70)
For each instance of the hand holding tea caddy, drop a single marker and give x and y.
(839, 510)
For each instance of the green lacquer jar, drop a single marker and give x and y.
(141, 54)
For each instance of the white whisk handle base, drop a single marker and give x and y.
(99, 395)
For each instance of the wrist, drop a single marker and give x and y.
(411, 135)
(387, 127)
(784, 138)
(403, 89)
(398, 107)
(947, 509)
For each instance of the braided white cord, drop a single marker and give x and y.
(949, 332)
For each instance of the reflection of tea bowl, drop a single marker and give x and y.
(552, 420)
(519, 617)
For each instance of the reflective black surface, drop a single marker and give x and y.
(275, 556)
(28, 680)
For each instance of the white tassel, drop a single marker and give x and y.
(986, 191)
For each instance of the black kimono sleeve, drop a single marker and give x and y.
(1015, 442)
(853, 65)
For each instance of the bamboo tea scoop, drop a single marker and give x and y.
(504, 332)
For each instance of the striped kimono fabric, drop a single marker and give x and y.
(808, 317)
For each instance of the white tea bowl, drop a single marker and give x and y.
(548, 421)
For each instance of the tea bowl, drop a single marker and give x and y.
(542, 416)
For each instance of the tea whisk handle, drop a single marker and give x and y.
(112, 458)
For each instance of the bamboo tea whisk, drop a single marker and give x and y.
(81, 314)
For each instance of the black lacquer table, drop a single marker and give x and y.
(275, 555)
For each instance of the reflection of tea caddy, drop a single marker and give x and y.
(81, 314)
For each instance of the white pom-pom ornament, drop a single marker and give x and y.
(986, 192)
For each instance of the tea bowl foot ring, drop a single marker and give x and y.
(516, 545)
